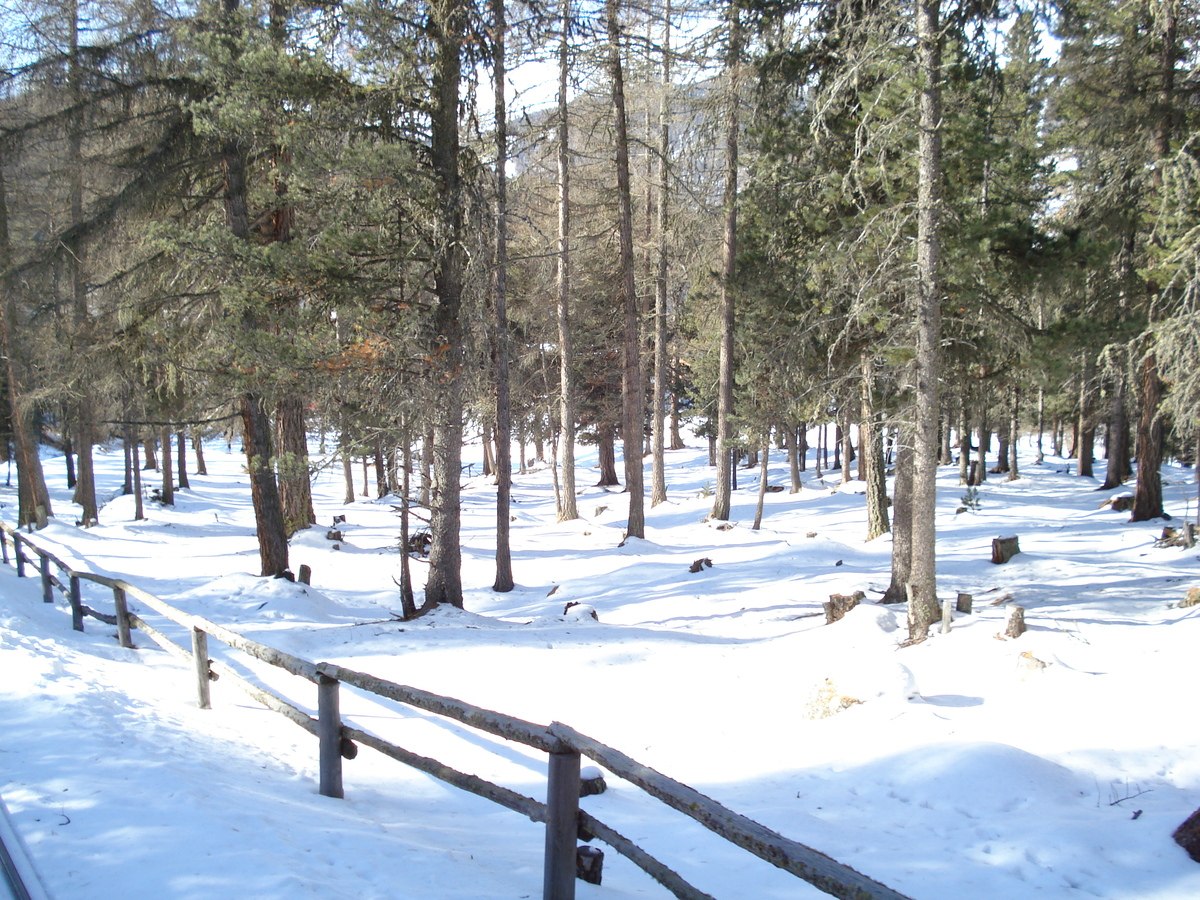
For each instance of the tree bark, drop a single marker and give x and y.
(295, 488)
(923, 604)
(762, 482)
(1087, 418)
(901, 521)
(33, 499)
(607, 456)
(567, 507)
(870, 449)
(1147, 496)
(181, 474)
(631, 377)
(448, 22)
(168, 472)
(504, 575)
(662, 396)
(723, 497)
(268, 512)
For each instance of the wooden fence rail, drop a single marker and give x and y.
(565, 822)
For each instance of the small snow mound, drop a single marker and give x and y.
(868, 618)
(966, 775)
(851, 487)
(243, 597)
(581, 612)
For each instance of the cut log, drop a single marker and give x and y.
(589, 864)
(700, 565)
(840, 604)
(1015, 626)
(964, 603)
(1187, 835)
(591, 782)
(1004, 549)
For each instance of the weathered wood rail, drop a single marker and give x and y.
(337, 740)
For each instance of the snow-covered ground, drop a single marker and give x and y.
(965, 771)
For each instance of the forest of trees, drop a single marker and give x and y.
(914, 226)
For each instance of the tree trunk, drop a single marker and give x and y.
(127, 484)
(139, 509)
(408, 607)
(870, 449)
(901, 521)
(85, 487)
(150, 447)
(168, 473)
(1147, 496)
(504, 575)
(346, 452)
(791, 439)
(181, 460)
(567, 507)
(631, 374)
(295, 487)
(762, 482)
(605, 437)
(1087, 418)
(964, 442)
(198, 446)
(662, 396)
(802, 446)
(444, 585)
(1014, 433)
(923, 607)
(1116, 450)
(979, 476)
(723, 497)
(268, 512)
(846, 443)
(1041, 424)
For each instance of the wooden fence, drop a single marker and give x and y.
(337, 740)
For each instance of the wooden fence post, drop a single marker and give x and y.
(47, 587)
(76, 604)
(329, 734)
(123, 635)
(20, 555)
(562, 826)
(203, 673)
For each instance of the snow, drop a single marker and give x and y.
(955, 768)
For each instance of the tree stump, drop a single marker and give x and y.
(589, 864)
(591, 782)
(964, 603)
(1191, 598)
(700, 565)
(1004, 549)
(840, 604)
(1121, 502)
(1015, 626)
(1187, 835)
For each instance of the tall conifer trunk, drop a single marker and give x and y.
(661, 395)
(631, 366)
(923, 604)
(444, 584)
(567, 507)
(504, 575)
(725, 475)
